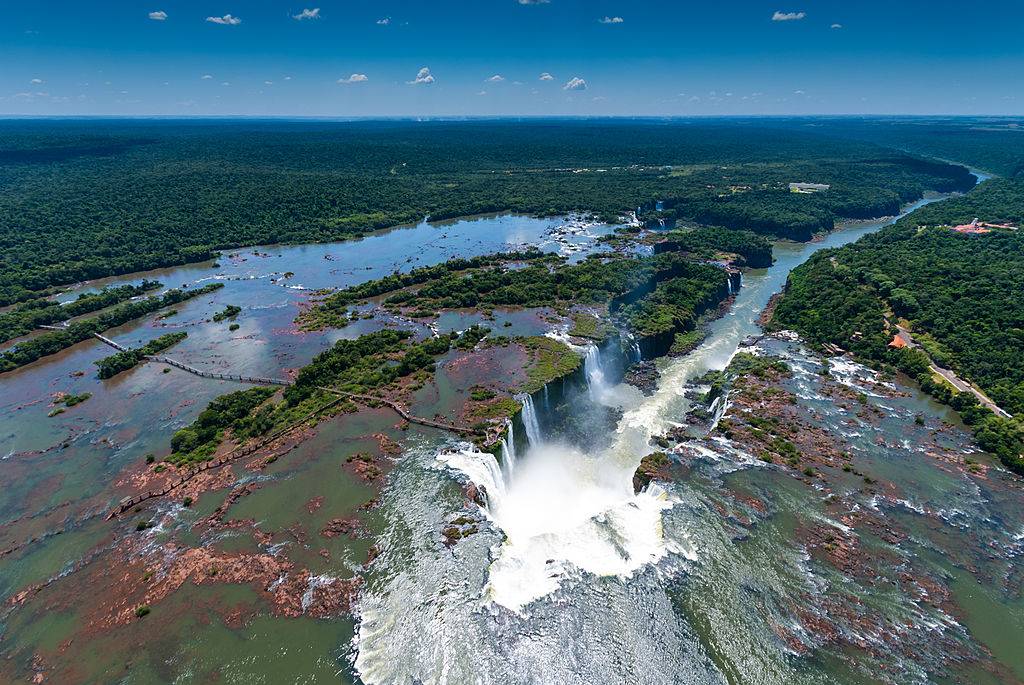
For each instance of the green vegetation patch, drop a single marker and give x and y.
(687, 342)
(762, 366)
(709, 242)
(29, 316)
(227, 313)
(502, 407)
(55, 341)
(684, 292)
(550, 359)
(72, 400)
(586, 325)
(198, 441)
(108, 367)
(365, 366)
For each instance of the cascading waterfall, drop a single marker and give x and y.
(563, 511)
(508, 450)
(593, 370)
(635, 354)
(530, 422)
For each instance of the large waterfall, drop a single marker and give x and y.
(563, 511)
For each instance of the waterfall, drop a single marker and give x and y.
(530, 422)
(508, 450)
(547, 402)
(635, 353)
(728, 280)
(594, 371)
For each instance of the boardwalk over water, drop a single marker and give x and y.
(246, 450)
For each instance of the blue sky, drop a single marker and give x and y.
(487, 57)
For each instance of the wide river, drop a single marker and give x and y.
(574, 579)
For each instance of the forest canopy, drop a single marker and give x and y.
(88, 199)
(959, 293)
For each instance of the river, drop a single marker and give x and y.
(576, 579)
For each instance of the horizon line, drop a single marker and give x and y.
(457, 117)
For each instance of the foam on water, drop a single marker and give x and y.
(562, 512)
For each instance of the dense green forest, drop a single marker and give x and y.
(89, 199)
(707, 242)
(960, 293)
(29, 316)
(994, 144)
(108, 367)
(54, 341)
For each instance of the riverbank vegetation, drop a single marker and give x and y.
(992, 144)
(549, 359)
(958, 293)
(84, 200)
(54, 341)
(29, 316)
(108, 367)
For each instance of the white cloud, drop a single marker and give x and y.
(546, 77)
(206, 77)
(534, 2)
(788, 16)
(287, 78)
(497, 78)
(354, 78)
(36, 81)
(159, 15)
(226, 83)
(422, 76)
(611, 20)
(384, 21)
(798, 92)
(226, 20)
(268, 83)
(836, 26)
(575, 83)
(482, 92)
(307, 14)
